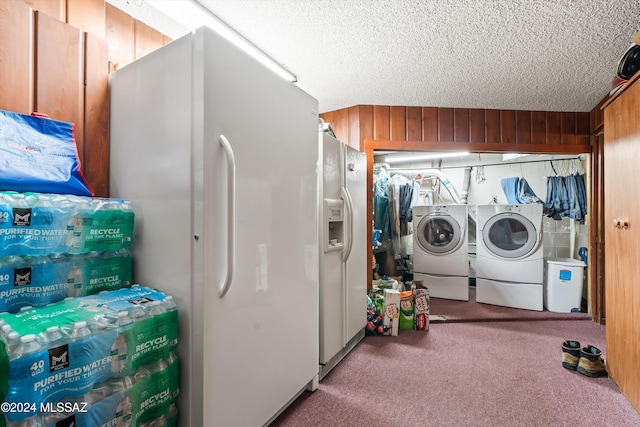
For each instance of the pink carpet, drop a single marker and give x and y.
(465, 374)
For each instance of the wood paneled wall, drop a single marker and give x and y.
(485, 130)
(55, 57)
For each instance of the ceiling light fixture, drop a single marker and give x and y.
(427, 156)
(192, 14)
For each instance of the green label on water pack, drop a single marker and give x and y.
(147, 399)
(72, 365)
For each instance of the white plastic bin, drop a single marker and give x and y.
(563, 279)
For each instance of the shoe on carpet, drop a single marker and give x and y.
(570, 354)
(591, 363)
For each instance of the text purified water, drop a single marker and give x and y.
(99, 343)
(40, 224)
(145, 398)
(40, 280)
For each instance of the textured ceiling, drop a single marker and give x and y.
(553, 55)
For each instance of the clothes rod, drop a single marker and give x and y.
(479, 165)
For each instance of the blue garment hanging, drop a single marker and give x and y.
(510, 188)
(518, 191)
(566, 197)
(525, 194)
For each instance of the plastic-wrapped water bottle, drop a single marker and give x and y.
(158, 366)
(141, 373)
(124, 412)
(80, 331)
(74, 278)
(53, 337)
(28, 345)
(75, 226)
(34, 421)
(169, 304)
(123, 319)
(156, 308)
(137, 313)
(119, 355)
(12, 342)
(172, 357)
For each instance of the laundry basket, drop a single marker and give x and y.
(563, 279)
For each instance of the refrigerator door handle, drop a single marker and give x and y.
(346, 196)
(231, 213)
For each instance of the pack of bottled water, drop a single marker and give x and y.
(145, 398)
(62, 350)
(40, 224)
(36, 281)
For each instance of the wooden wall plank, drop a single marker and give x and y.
(430, 124)
(16, 53)
(568, 128)
(59, 91)
(96, 116)
(461, 125)
(492, 126)
(583, 128)
(340, 124)
(328, 116)
(553, 128)
(354, 128)
(381, 122)
(477, 125)
(445, 124)
(508, 126)
(596, 119)
(414, 123)
(54, 8)
(119, 29)
(366, 124)
(538, 127)
(88, 15)
(523, 127)
(398, 123)
(146, 39)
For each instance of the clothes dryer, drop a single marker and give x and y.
(440, 250)
(509, 261)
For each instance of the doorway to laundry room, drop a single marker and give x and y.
(481, 229)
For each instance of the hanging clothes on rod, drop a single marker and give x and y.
(566, 196)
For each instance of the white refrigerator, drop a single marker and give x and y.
(219, 157)
(343, 249)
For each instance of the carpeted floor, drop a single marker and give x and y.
(465, 374)
(447, 311)
(479, 365)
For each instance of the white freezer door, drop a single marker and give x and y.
(245, 356)
(261, 338)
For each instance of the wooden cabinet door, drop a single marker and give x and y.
(622, 237)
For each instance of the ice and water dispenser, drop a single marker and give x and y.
(333, 225)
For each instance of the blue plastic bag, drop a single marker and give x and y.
(39, 155)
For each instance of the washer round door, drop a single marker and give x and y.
(438, 234)
(509, 235)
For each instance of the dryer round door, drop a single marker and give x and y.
(509, 235)
(438, 234)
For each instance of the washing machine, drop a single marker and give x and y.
(509, 260)
(440, 250)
